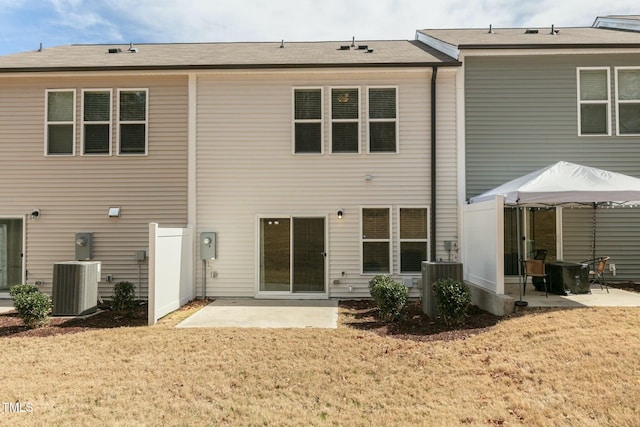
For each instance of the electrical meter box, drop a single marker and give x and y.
(208, 245)
(84, 246)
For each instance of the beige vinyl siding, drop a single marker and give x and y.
(521, 115)
(75, 192)
(246, 168)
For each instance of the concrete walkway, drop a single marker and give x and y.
(250, 313)
(597, 298)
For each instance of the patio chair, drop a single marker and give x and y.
(538, 282)
(597, 275)
(535, 268)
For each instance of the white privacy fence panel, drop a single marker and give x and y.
(170, 270)
(483, 247)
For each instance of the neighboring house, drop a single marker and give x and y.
(529, 97)
(311, 161)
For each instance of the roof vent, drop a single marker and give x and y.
(530, 31)
(369, 50)
(132, 49)
(490, 29)
(114, 50)
(363, 47)
(553, 30)
(344, 47)
(282, 44)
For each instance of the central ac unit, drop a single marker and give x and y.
(431, 273)
(75, 287)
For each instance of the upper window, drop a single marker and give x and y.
(60, 123)
(307, 120)
(345, 120)
(376, 240)
(628, 100)
(96, 118)
(133, 121)
(413, 239)
(593, 101)
(383, 120)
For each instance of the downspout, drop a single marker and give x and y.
(432, 236)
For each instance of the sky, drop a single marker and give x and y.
(24, 24)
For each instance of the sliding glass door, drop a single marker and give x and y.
(10, 253)
(292, 254)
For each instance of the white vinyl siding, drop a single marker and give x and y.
(60, 122)
(627, 101)
(413, 235)
(245, 168)
(383, 120)
(594, 106)
(345, 120)
(133, 105)
(96, 121)
(308, 136)
(376, 240)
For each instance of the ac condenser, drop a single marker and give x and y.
(75, 287)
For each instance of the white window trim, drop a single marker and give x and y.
(362, 240)
(46, 123)
(618, 101)
(358, 120)
(109, 122)
(396, 120)
(581, 102)
(401, 240)
(133, 122)
(294, 120)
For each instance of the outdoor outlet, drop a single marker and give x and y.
(39, 283)
(214, 274)
(350, 288)
(336, 281)
(109, 278)
(612, 268)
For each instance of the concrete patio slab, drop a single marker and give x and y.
(597, 298)
(250, 313)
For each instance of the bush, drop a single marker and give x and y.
(389, 295)
(123, 298)
(452, 299)
(22, 289)
(33, 306)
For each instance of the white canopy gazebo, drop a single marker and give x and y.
(566, 184)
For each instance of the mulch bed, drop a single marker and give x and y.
(415, 325)
(356, 314)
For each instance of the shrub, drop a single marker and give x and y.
(22, 289)
(389, 295)
(123, 298)
(33, 306)
(452, 299)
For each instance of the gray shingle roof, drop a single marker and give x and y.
(226, 56)
(574, 37)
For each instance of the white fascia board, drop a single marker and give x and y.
(446, 48)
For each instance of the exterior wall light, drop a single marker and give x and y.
(340, 213)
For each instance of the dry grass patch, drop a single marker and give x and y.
(544, 367)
